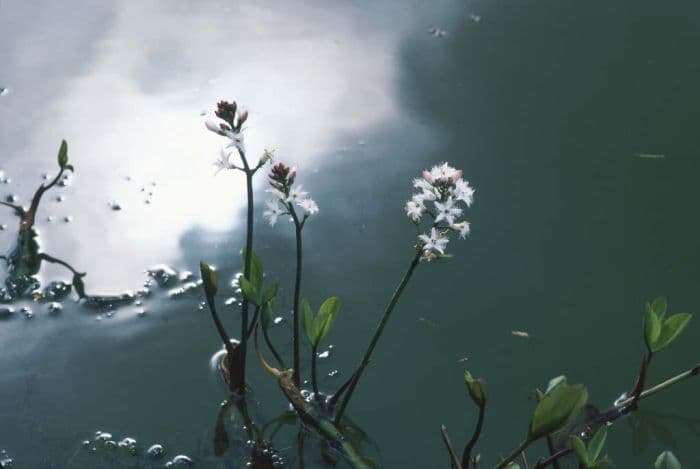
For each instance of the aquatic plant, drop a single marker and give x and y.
(24, 260)
(436, 210)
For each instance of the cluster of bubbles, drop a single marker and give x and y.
(5, 460)
(105, 441)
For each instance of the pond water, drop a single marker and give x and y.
(575, 122)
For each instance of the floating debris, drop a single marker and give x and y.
(67, 219)
(650, 156)
(463, 360)
(60, 198)
(278, 320)
(333, 374)
(324, 354)
(12, 198)
(522, 334)
(116, 206)
(437, 32)
(428, 322)
(475, 18)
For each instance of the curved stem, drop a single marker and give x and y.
(516, 452)
(277, 356)
(297, 289)
(454, 459)
(377, 333)
(466, 455)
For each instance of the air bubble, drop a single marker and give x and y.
(54, 307)
(277, 320)
(156, 451)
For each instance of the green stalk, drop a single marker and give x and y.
(377, 333)
(246, 272)
(314, 382)
(661, 386)
(298, 226)
(516, 452)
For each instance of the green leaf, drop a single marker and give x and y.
(595, 446)
(210, 279)
(556, 409)
(475, 388)
(256, 270)
(249, 291)
(660, 306)
(63, 154)
(513, 465)
(667, 460)
(579, 448)
(326, 316)
(270, 293)
(308, 321)
(652, 327)
(671, 329)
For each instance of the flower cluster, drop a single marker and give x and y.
(286, 196)
(229, 125)
(444, 188)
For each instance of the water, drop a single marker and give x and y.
(548, 107)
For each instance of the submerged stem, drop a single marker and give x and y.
(314, 382)
(377, 333)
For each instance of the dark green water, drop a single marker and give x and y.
(545, 105)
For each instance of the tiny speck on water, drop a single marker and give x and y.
(102, 436)
(54, 307)
(179, 461)
(49, 219)
(12, 198)
(230, 301)
(27, 312)
(140, 312)
(116, 206)
(6, 181)
(67, 219)
(3, 227)
(4, 91)
(324, 354)
(333, 373)
(277, 320)
(60, 198)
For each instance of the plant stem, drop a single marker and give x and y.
(466, 455)
(277, 356)
(661, 386)
(314, 382)
(377, 333)
(297, 289)
(454, 460)
(516, 452)
(246, 271)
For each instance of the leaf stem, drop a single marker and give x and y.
(516, 452)
(246, 271)
(466, 455)
(314, 382)
(377, 333)
(298, 226)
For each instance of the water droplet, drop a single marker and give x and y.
(12, 198)
(6, 312)
(67, 219)
(180, 460)
(230, 301)
(333, 373)
(325, 354)
(4, 91)
(49, 219)
(6, 463)
(102, 436)
(3, 227)
(156, 451)
(277, 320)
(115, 206)
(162, 274)
(54, 307)
(185, 275)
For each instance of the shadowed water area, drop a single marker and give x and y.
(576, 123)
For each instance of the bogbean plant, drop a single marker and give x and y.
(559, 405)
(435, 210)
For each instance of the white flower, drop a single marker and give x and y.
(296, 195)
(435, 242)
(415, 208)
(464, 192)
(309, 206)
(216, 126)
(462, 228)
(278, 194)
(224, 161)
(223, 129)
(442, 172)
(273, 211)
(447, 211)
